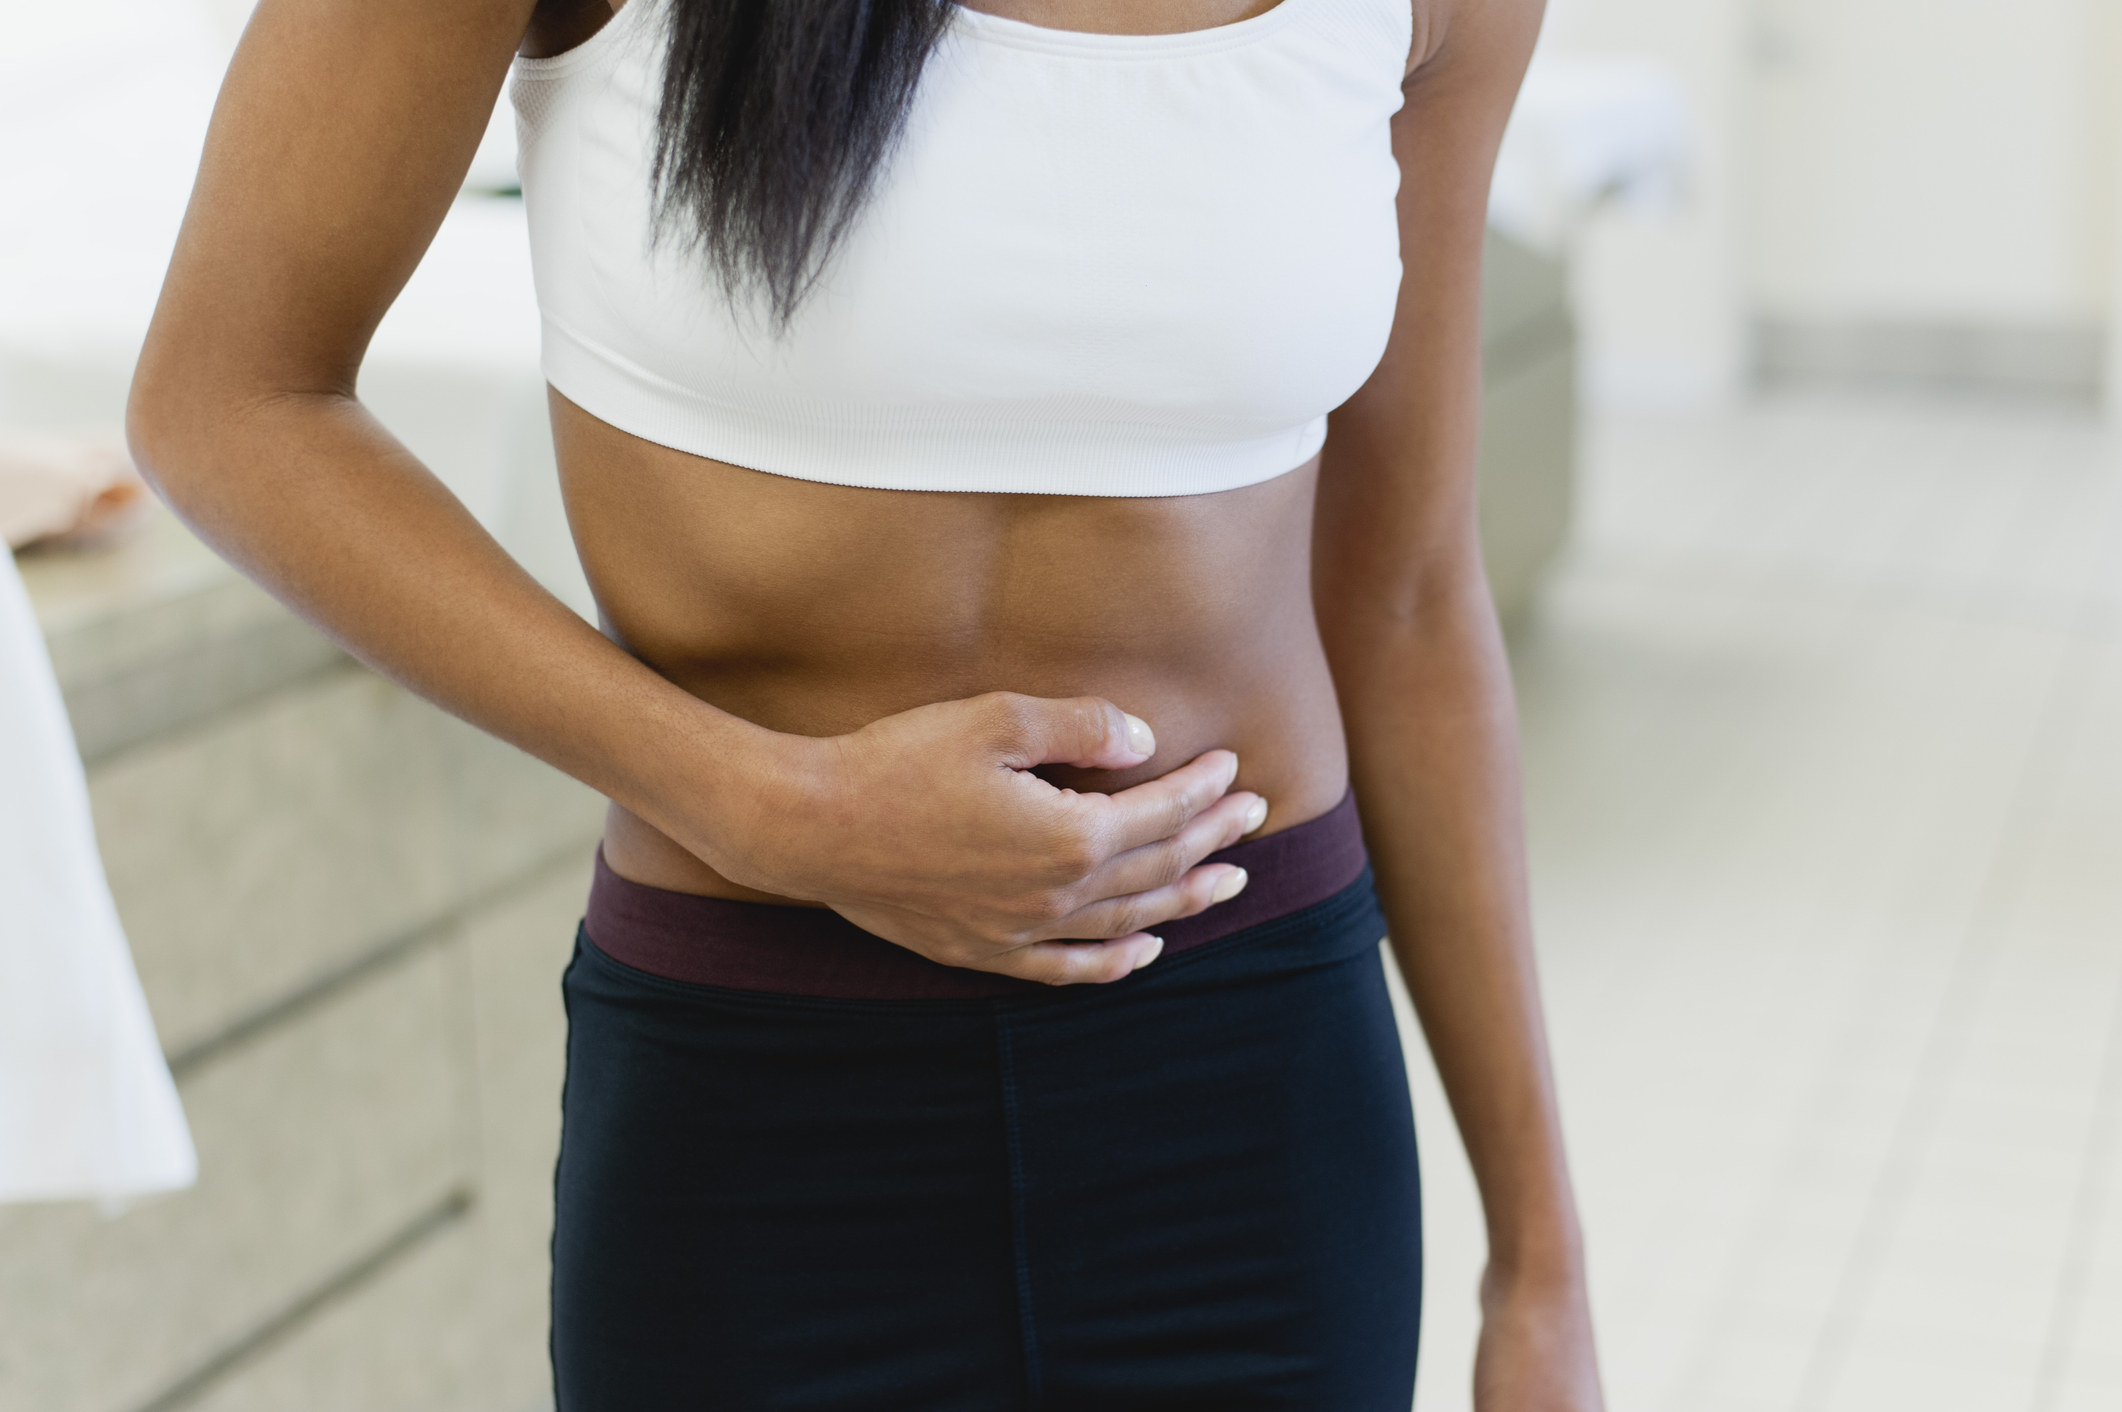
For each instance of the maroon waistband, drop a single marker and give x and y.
(816, 952)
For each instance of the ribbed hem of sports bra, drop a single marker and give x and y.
(592, 49)
(621, 394)
(1017, 34)
(977, 24)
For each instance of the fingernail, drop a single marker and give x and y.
(1256, 816)
(1139, 737)
(1233, 883)
(1156, 949)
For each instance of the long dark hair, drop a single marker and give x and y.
(776, 118)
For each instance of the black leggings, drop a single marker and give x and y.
(1194, 1188)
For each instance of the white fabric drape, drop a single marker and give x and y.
(87, 1107)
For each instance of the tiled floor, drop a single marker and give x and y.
(1823, 721)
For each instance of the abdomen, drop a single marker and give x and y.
(815, 609)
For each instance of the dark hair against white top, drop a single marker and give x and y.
(776, 116)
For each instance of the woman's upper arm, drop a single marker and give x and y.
(340, 138)
(1396, 498)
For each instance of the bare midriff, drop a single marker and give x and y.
(815, 609)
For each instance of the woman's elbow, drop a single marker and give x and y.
(150, 427)
(188, 407)
(167, 418)
(1417, 594)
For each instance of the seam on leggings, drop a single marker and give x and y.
(552, 1235)
(1013, 1137)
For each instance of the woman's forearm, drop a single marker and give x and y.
(312, 497)
(1432, 736)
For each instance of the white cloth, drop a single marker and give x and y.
(87, 1108)
(1588, 131)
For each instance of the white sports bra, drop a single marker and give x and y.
(1116, 265)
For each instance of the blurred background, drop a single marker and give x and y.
(1802, 494)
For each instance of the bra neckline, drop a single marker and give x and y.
(1022, 34)
(991, 29)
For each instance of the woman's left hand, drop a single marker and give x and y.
(1535, 1353)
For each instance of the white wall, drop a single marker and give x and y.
(228, 17)
(1660, 299)
(1920, 161)
(1931, 160)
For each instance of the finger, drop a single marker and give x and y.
(1195, 893)
(1156, 809)
(1079, 730)
(1166, 861)
(1082, 962)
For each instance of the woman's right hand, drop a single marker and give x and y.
(928, 828)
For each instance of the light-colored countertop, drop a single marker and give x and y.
(157, 632)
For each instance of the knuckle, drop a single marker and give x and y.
(1128, 915)
(992, 945)
(1062, 869)
(1059, 968)
(1049, 906)
(1018, 961)
(1075, 848)
(1171, 866)
(1099, 716)
(1184, 899)
(959, 954)
(1056, 873)
(1184, 805)
(1009, 714)
(1089, 966)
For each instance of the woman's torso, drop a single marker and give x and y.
(814, 607)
